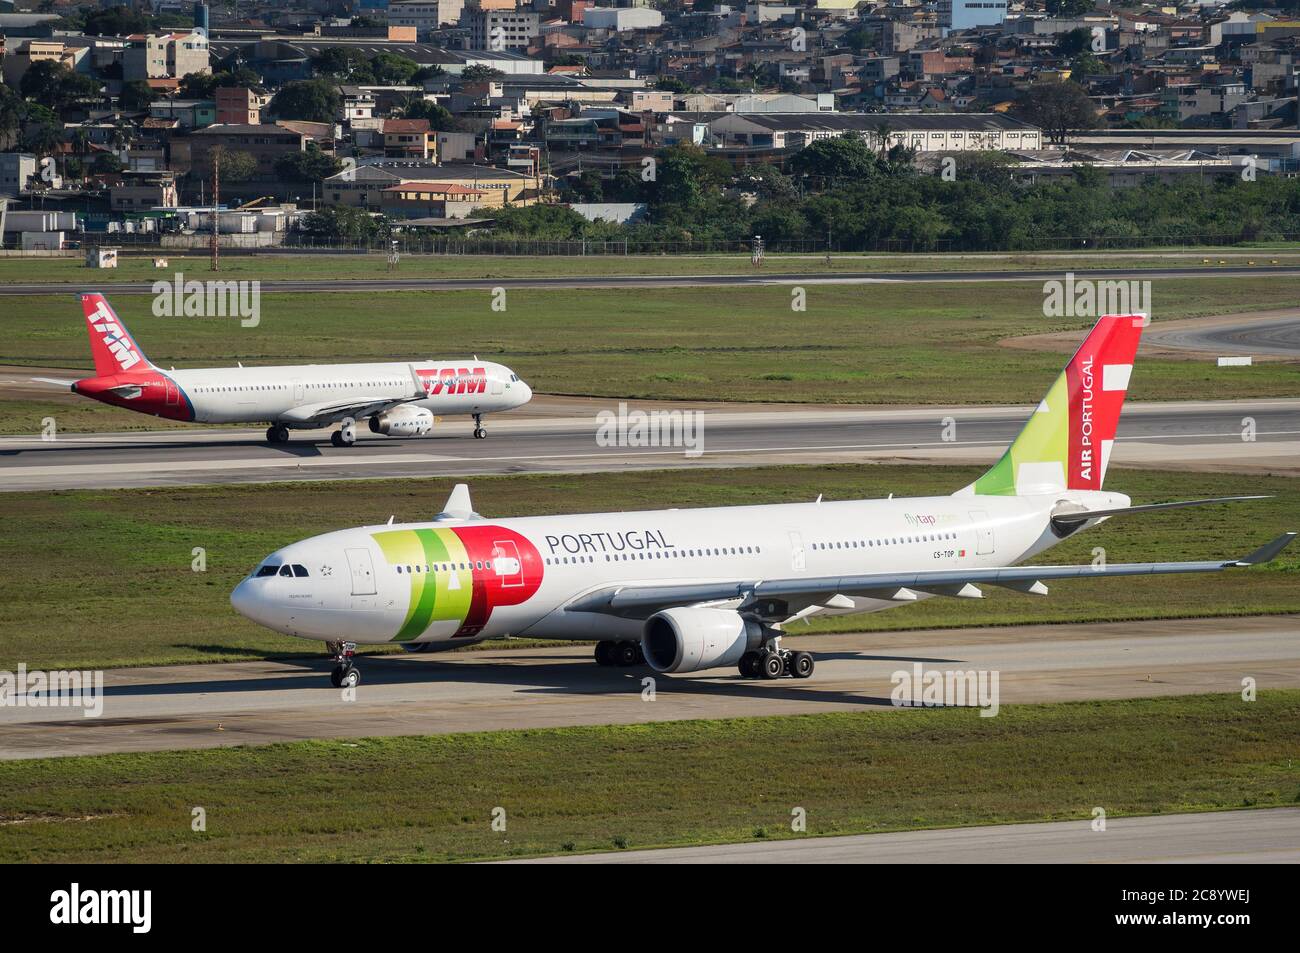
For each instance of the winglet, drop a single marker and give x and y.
(1266, 553)
(458, 506)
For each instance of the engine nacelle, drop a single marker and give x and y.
(405, 421)
(689, 639)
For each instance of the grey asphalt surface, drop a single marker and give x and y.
(1150, 434)
(674, 281)
(1270, 836)
(1278, 335)
(225, 703)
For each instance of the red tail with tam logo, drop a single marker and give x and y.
(111, 345)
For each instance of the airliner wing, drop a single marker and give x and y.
(777, 599)
(323, 414)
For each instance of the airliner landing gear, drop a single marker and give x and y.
(774, 662)
(624, 653)
(345, 674)
(344, 437)
(479, 432)
(277, 433)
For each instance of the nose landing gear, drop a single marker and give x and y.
(479, 432)
(345, 674)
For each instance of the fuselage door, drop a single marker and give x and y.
(983, 533)
(363, 572)
(297, 391)
(798, 561)
(496, 386)
(506, 564)
(173, 393)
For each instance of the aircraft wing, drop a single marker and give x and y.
(323, 414)
(782, 599)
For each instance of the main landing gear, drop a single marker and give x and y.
(774, 662)
(624, 653)
(345, 436)
(277, 433)
(479, 432)
(345, 674)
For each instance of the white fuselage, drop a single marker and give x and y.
(423, 582)
(281, 394)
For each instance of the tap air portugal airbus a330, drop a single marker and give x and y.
(401, 399)
(684, 590)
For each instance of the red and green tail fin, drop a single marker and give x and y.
(1066, 443)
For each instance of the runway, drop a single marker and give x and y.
(756, 277)
(1269, 836)
(223, 704)
(1201, 435)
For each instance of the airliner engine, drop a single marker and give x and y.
(687, 639)
(404, 421)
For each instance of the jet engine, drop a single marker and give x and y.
(404, 421)
(688, 639)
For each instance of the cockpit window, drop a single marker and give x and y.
(269, 569)
(513, 378)
(285, 570)
(299, 571)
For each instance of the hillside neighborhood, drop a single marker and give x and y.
(825, 125)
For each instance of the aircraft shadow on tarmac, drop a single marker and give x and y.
(301, 446)
(574, 675)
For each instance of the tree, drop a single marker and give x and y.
(135, 96)
(115, 21)
(338, 61)
(310, 165)
(311, 100)
(11, 113)
(53, 84)
(1073, 42)
(205, 85)
(340, 222)
(236, 165)
(41, 138)
(859, 38)
(1068, 8)
(439, 117)
(671, 84)
(426, 73)
(1057, 108)
(106, 164)
(841, 157)
(478, 74)
(390, 69)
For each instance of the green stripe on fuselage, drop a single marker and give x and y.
(434, 596)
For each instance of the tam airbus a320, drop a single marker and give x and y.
(400, 399)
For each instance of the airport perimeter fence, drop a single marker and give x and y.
(407, 243)
(410, 243)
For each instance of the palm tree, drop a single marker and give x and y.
(883, 131)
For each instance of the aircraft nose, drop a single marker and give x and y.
(527, 395)
(251, 600)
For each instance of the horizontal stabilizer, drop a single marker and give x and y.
(1268, 552)
(1082, 516)
(54, 380)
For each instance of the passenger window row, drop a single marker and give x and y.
(888, 541)
(658, 554)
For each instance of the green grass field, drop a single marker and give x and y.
(103, 578)
(267, 267)
(670, 784)
(875, 344)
